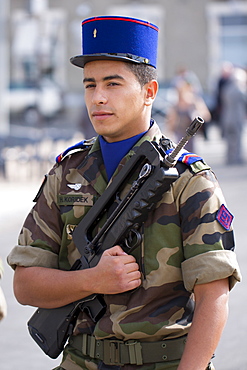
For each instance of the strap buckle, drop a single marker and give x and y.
(111, 350)
(116, 352)
(135, 352)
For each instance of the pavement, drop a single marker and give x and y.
(19, 351)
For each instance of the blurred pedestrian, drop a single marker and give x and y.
(184, 74)
(3, 305)
(233, 115)
(225, 77)
(189, 104)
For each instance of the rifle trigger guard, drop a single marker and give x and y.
(133, 234)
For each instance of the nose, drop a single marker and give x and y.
(99, 96)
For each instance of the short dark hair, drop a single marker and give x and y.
(143, 72)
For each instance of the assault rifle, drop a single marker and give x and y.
(50, 328)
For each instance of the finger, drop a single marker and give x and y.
(131, 267)
(114, 251)
(134, 275)
(135, 282)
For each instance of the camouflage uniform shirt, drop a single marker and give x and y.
(184, 244)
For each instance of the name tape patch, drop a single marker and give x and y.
(224, 217)
(75, 199)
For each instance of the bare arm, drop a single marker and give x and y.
(209, 319)
(115, 273)
(202, 109)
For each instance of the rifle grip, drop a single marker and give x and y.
(94, 306)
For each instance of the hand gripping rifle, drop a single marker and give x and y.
(50, 328)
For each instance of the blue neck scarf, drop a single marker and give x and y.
(113, 152)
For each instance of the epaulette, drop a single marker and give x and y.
(194, 161)
(82, 145)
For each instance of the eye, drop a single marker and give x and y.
(112, 83)
(90, 86)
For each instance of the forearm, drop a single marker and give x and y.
(115, 273)
(50, 288)
(209, 319)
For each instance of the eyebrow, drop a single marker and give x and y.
(106, 78)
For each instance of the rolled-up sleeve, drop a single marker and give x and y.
(208, 237)
(28, 256)
(211, 266)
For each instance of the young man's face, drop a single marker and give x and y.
(117, 105)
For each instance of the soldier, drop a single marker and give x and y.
(166, 305)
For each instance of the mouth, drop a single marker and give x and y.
(101, 115)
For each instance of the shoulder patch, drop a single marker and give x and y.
(82, 145)
(224, 217)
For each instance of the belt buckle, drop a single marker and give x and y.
(111, 352)
(135, 352)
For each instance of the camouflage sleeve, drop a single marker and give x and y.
(27, 256)
(207, 233)
(40, 237)
(209, 267)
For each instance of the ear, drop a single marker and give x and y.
(151, 89)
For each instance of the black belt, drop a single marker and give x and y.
(118, 352)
